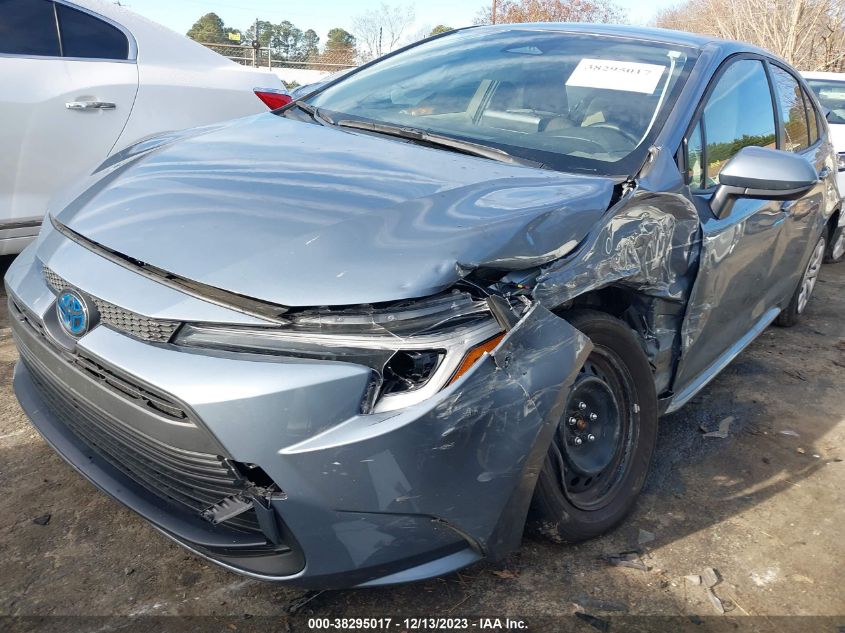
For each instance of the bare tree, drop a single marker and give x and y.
(380, 30)
(809, 34)
(551, 11)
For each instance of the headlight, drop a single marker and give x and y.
(414, 349)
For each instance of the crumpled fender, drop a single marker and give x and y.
(648, 244)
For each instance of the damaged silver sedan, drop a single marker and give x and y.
(362, 339)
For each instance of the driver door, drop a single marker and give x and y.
(735, 294)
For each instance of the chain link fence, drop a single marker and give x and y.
(327, 61)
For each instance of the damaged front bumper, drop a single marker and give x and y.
(353, 499)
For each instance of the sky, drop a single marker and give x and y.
(322, 15)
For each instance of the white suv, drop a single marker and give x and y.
(829, 88)
(83, 79)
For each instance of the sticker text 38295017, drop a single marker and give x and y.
(616, 75)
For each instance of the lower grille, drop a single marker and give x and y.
(191, 480)
(125, 387)
(18, 311)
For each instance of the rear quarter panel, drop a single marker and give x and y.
(183, 84)
(174, 97)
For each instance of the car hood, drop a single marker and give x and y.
(300, 214)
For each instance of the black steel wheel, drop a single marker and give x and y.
(599, 455)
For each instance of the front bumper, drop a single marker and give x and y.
(368, 499)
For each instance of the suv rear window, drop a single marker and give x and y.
(831, 94)
(88, 37)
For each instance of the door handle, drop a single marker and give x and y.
(90, 105)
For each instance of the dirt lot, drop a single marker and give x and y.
(765, 507)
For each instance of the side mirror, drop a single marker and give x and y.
(759, 172)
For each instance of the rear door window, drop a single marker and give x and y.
(88, 37)
(795, 133)
(28, 27)
(812, 117)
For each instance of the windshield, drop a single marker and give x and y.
(831, 95)
(573, 102)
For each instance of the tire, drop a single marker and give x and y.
(801, 297)
(584, 490)
(836, 249)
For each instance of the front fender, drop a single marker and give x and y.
(470, 460)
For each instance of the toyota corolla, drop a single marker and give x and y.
(364, 338)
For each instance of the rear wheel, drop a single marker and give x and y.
(599, 456)
(836, 250)
(801, 297)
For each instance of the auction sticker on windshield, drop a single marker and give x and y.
(616, 75)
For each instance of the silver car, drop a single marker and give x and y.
(355, 341)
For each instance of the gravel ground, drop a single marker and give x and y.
(762, 506)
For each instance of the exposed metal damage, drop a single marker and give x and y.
(640, 264)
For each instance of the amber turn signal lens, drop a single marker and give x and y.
(474, 354)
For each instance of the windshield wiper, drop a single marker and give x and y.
(313, 112)
(415, 134)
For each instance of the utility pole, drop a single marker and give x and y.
(255, 46)
(493, 13)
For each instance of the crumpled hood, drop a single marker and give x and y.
(304, 215)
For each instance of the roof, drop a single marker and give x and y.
(666, 36)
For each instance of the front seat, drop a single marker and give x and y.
(629, 111)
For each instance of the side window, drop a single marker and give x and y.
(28, 27)
(85, 36)
(738, 113)
(794, 130)
(812, 117)
(695, 158)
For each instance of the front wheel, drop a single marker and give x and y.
(601, 450)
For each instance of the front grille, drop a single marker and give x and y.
(194, 481)
(136, 325)
(144, 328)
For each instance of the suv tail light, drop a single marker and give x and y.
(273, 98)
